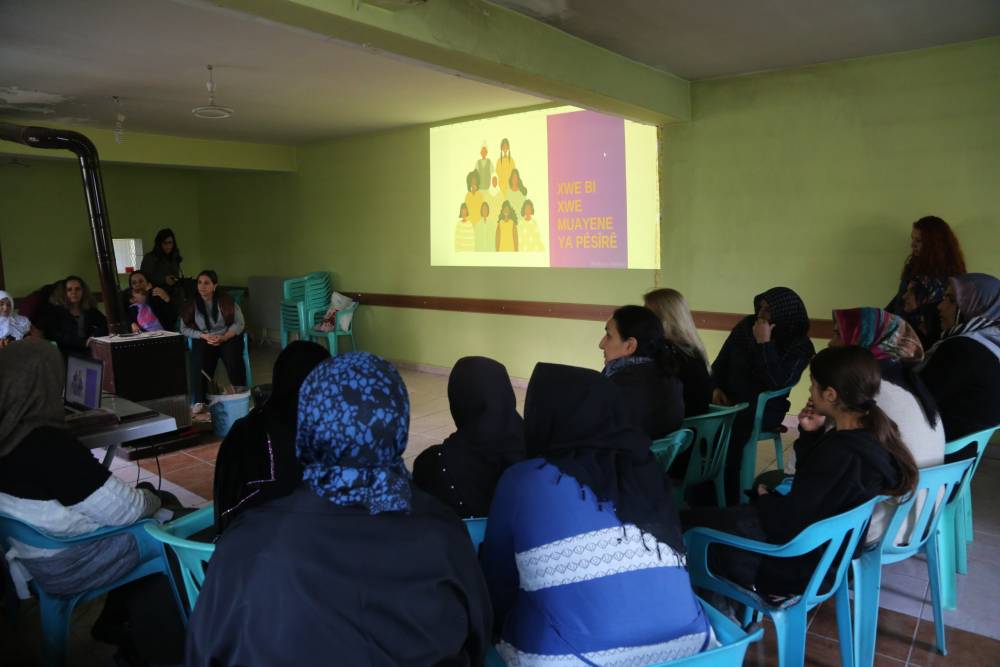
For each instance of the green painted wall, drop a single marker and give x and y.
(45, 231)
(808, 178)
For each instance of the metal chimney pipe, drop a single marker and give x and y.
(93, 189)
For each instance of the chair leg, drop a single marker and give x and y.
(933, 552)
(790, 631)
(56, 614)
(779, 453)
(961, 540)
(720, 488)
(332, 344)
(867, 572)
(967, 510)
(748, 464)
(946, 556)
(844, 631)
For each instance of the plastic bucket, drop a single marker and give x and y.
(226, 409)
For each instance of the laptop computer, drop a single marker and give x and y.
(84, 379)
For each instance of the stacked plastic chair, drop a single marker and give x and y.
(305, 301)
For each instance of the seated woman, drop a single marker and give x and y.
(72, 318)
(640, 363)
(463, 470)
(356, 566)
(158, 299)
(12, 327)
(214, 323)
(862, 457)
(689, 352)
(591, 492)
(764, 352)
(50, 481)
(256, 461)
(962, 370)
(935, 256)
(162, 264)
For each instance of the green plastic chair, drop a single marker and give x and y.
(831, 537)
(712, 431)
(191, 555)
(748, 463)
(922, 537)
(336, 333)
(955, 525)
(665, 450)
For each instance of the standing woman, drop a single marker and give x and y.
(693, 368)
(962, 370)
(73, 318)
(935, 256)
(214, 323)
(162, 264)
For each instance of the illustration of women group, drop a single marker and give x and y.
(497, 215)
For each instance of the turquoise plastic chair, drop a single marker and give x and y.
(192, 556)
(733, 644)
(837, 534)
(331, 337)
(57, 612)
(922, 537)
(477, 531)
(665, 450)
(748, 463)
(956, 521)
(712, 431)
(246, 356)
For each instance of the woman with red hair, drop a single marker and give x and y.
(935, 256)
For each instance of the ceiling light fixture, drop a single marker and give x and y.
(119, 128)
(212, 110)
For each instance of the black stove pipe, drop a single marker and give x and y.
(93, 188)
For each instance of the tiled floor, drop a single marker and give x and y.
(906, 633)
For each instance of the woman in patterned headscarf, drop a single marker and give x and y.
(356, 566)
(963, 369)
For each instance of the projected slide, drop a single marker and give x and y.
(557, 187)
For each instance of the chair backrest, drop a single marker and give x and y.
(192, 556)
(293, 289)
(763, 399)
(980, 440)
(711, 440)
(477, 530)
(666, 449)
(838, 536)
(15, 529)
(934, 483)
(733, 643)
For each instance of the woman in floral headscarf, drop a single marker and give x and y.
(962, 370)
(356, 566)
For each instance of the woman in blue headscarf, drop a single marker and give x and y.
(356, 566)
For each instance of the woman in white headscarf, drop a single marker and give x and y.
(12, 327)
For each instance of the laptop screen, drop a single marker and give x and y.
(83, 382)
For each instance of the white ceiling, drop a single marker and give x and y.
(63, 60)
(710, 38)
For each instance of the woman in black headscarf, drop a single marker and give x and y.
(764, 352)
(257, 461)
(464, 469)
(583, 543)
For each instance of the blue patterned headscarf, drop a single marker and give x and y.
(354, 416)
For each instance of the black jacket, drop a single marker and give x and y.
(693, 374)
(301, 581)
(655, 401)
(60, 326)
(964, 378)
(834, 472)
(165, 312)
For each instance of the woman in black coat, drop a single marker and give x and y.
(159, 301)
(71, 317)
(640, 362)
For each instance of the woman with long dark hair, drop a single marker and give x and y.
(71, 317)
(162, 264)
(962, 370)
(583, 553)
(214, 323)
(935, 256)
(861, 457)
(640, 362)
